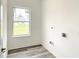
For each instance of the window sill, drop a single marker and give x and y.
(21, 36)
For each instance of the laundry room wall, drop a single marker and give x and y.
(25, 41)
(58, 17)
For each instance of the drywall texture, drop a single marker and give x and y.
(63, 16)
(24, 41)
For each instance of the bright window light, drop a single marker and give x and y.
(21, 25)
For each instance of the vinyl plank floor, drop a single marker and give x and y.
(36, 52)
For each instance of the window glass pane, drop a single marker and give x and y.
(21, 14)
(21, 28)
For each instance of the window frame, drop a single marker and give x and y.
(30, 19)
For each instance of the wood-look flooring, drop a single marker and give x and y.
(35, 52)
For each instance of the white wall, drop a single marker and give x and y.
(18, 42)
(63, 16)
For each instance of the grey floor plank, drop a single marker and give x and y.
(36, 52)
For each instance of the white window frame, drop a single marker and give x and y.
(22, 21)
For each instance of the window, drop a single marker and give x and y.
(21, 25)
